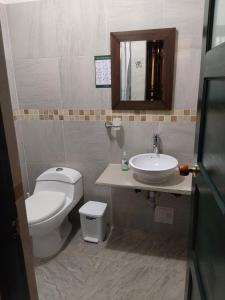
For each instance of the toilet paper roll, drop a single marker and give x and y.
(116, 122)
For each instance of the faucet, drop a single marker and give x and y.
(156, 140)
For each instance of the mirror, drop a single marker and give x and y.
(142, 69)
(132, 70)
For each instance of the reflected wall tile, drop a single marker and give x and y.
(38, 83)
(44, 142)
(186, 81)
(78, 84)
(133, 137)
(187, 17)
(33, 29)
(177, 139)
(81, 27)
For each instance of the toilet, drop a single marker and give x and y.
(57, 192)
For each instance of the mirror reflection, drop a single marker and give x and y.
(141, 65)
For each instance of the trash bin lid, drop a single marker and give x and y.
(93, 209)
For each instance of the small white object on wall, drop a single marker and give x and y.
(115, 124)
(164, 215)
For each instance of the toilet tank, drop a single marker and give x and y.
(65, 180)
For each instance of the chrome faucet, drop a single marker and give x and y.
(156, 141)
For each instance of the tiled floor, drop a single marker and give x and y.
(131, 265)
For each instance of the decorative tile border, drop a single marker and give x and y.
(105, 115)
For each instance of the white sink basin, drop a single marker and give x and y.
(152, 167)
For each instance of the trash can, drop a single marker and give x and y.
(93, 221)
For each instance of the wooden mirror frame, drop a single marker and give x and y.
(168, 36)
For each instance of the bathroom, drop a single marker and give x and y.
(59, 113)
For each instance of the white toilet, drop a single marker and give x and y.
(56, 193)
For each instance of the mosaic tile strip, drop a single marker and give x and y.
(105, 115)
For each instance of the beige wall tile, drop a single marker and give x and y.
(78, 84)
(38, 83)
(33, 29)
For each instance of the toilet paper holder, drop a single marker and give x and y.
(115, 124)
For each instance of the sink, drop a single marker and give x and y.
(152, 167)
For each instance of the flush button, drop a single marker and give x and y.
(59, 169)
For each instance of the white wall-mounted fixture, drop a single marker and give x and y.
(115, 124)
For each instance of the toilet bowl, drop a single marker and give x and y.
(57, 192)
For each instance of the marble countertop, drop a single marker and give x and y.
(114, 177)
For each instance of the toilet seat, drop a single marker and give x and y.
(43, 205)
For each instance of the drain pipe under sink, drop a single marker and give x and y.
(151, 197)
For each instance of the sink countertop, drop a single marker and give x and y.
(114, 177)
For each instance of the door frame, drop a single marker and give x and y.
(10, 136)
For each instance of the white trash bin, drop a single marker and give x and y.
(93, 221)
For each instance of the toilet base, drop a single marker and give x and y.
(48, 245)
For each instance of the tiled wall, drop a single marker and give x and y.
(13, 90)
(53, 47)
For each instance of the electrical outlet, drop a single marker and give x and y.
(164, 215)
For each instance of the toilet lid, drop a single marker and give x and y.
(43, 205)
